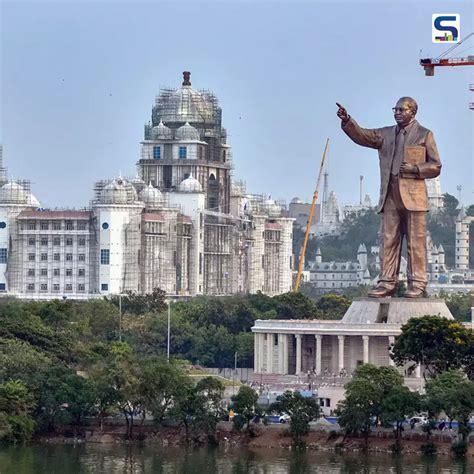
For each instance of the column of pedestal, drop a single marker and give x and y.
(280, 353)
(255, 352)
(261, 341)
(298, 353)
(341, 352)
(319, 341)
(285, 354)
(269, 353)
(365, 340)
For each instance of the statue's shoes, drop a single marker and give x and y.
(381, 292)
(414, 292)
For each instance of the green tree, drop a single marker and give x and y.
(459, 304)
(439, 344)
(16, 407)
(244, 404)
(364, 396)
(333, 306)
(301, 410)
(210, 393)
(452, 393)
(399, 404)
(295, 305)
(357, 412)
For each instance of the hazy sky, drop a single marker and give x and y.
(78, 80)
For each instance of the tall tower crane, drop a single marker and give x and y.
(429, 64)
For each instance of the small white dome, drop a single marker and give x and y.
(190, 185)
(138, 183)
(12, 192)
(32, 199)
(187, 132)
(272, 208)
(152, 197)
(296, 200)
(161, 132)
(119, 191)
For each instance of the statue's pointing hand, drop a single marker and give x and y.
(342, 113)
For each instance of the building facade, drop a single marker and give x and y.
(182, 224)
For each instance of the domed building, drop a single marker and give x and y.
(151, 197)
(181, 224)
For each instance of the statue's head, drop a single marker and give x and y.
(405, 110)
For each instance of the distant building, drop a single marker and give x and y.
(330, 277)
(182, 224)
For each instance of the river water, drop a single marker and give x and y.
(98, 459)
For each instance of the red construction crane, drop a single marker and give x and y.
(429, 64)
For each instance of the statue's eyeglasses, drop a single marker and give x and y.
(399, 109)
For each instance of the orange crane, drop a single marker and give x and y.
(429, 64)
(310, 219)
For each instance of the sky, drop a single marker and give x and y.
(78, 80)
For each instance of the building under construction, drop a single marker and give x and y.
(182, 224)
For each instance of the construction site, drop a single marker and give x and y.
(182, 224)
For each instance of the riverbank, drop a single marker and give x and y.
(261, 437)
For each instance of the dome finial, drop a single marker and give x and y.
(186, 78)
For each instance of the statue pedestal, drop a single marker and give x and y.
(394, 310)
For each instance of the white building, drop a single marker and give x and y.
(181, 224)
(334, 276)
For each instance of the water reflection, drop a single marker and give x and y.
(126, 459)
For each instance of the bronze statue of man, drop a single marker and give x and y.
(407, 155)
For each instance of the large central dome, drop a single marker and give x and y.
(178, 106)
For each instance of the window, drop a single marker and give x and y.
(56, 240)
(69, 225)
(31, 257)
(31, 241)
(3, 255)
(68, 287)
(104, 256)
(44, 240)
(69, 241)
(31, 225)
(44, 272)
(81, 241)
(3, 286)
(69, 257)
(56, 225)
(44, 225)
(81, 257)
(56, 272)
(31, 272)
(182, 152)
(104, 287)
(81, 287)
(69, 272)
(156, 153)
(57, 257)
(44, 287)
(81, 226)
(81, 272)
(3, 224)
(44, 257)
(30, 287)
(56, 287)
(105, 225)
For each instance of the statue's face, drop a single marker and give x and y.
(403, 113)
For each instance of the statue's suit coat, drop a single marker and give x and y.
(412, 186)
